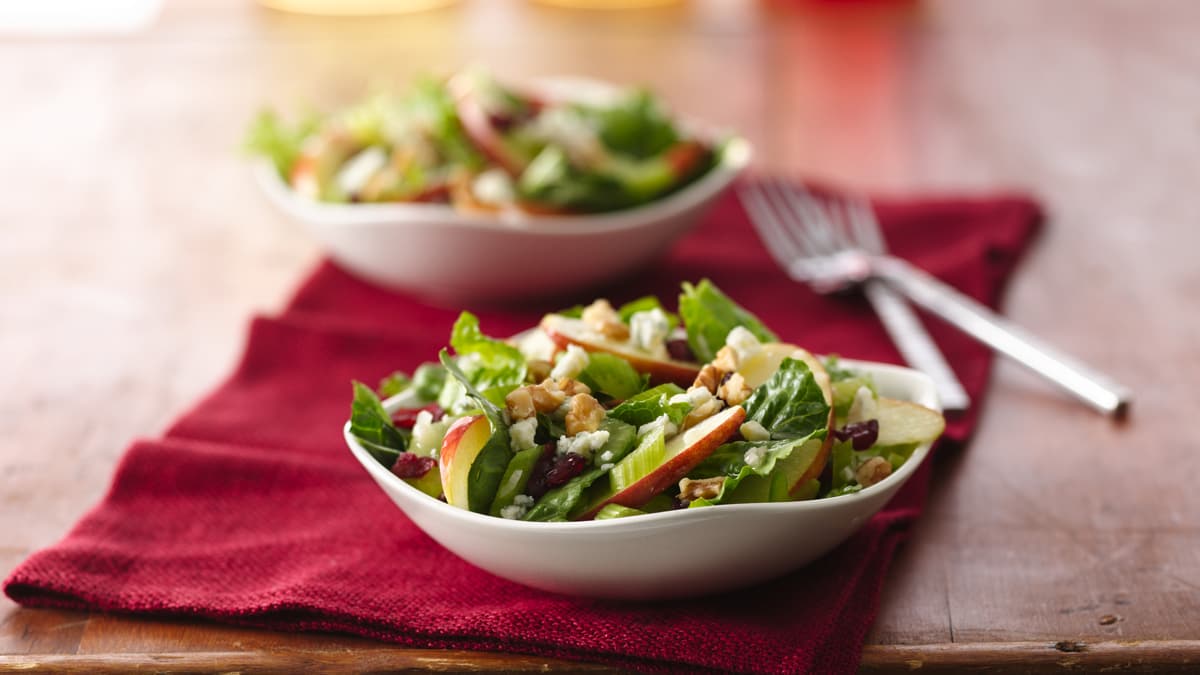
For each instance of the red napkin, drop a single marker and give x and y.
(251, 510)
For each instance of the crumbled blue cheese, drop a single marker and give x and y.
(755, 455)
(648, 331)
(521, 433)
(494, 186)
(863, 407)
(517, 510)
(753, 431)
(660, 422)
(743, 342)
(569, 130)
(607, 466)
(583, 443)
(360, 168)
(571, 363)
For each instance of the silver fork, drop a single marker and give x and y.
(828, 267)
(803, 235)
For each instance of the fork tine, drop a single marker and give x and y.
(768, 225)
(807, 224)
(865, 226)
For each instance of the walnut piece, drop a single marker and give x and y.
(705, 488)
(734, 389)
(602, 318)
(872, 471)
(520, 403)
(546, 397)
(702, 412)
(726, 360)
(538, 370)
(585, 414)
(710, 378)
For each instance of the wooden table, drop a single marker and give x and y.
(134, 249)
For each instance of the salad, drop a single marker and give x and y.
(610, 412)
(479, 145)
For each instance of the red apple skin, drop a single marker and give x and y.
(453, 448)
(564, 331)
(477, 125)
(670, 472)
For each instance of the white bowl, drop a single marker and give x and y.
(673, 554)
(437, 251)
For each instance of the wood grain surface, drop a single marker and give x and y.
(135, 248)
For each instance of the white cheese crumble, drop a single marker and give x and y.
(863, 407)
(755, 455)
(607, 466)
(583, 443)
(571, 131)
(753, 431)
(606, 456)
(648, 331)
(358, 169)
(518, 509)
(743, 342)
(521, 434)
(571, 363)
(660, 422)
(494, 186)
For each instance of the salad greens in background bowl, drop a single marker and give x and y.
(640, 453)
(469, 189)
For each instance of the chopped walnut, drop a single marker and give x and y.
(734, 389)
(546, 397)
(705, 488)
(872, 471)
(709, 378)
(602, 318)
(585, 414)
(727, 359)
(520, 403)
(538, 370)
(569, 386)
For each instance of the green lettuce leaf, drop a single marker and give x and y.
(650, 404)
(272, 138)
(636, 125)
(492, 366)
(393, 384)
(371, 424)
(428, 380)
(483, 479)
(612, 376)
(790, 404)
(780, 464)
(709, 315)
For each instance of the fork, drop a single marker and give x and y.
(828, 259)
(801, 233)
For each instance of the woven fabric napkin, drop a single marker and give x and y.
(250, 509)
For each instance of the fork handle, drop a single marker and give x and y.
(914, 343)
(1086, 383)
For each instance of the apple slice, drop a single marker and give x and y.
(461, 446)
(907, 423)
(566, 331)
(479, 128)
(679, 456)
(806, 462)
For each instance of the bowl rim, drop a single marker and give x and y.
(927, 397)
(734, 155)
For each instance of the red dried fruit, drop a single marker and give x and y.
(680, 350)
(405, 418)
(409, 465)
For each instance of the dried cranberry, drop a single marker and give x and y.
(405, 418)
(409, 465)
(679, 350)
(679, 503)
(565, 468)
(861, 434)
(536, 486)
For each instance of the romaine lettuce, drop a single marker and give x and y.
(790, 404)
(483, 479)
(709, 315)
(371, 424)
(650, 404)
(493, 367)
